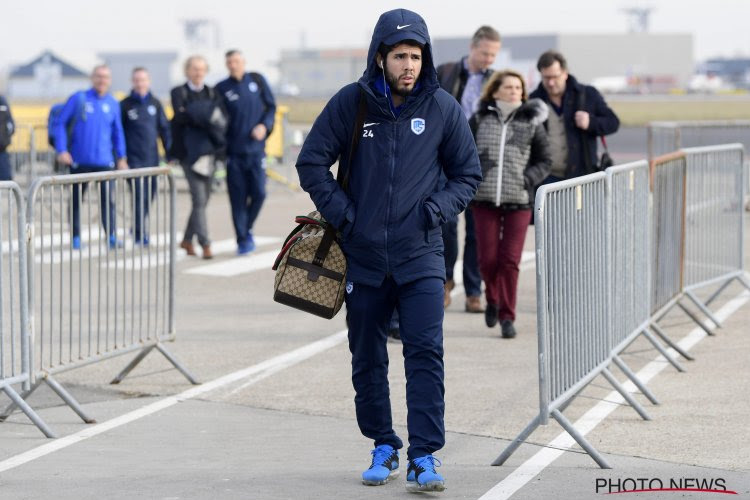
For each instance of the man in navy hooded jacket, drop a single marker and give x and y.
(389, 220)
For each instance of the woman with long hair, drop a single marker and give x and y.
(515, 158)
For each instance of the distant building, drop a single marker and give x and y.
(646, 61)
(650, 62)
(47, 77)
(158, 64)
(321, 73)
(734, 72)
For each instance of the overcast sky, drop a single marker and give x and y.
(78, 29)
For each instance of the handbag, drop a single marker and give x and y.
(605, 161)
(311, 267)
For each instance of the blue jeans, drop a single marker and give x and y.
(471, 274)
(246, 179)
(420, 310)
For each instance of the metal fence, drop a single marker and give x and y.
(101, 271)
(30, 155)
(14, 327)
(714, 229)
(667, 136)
(574, 299)
(628, 195)
(668, 187)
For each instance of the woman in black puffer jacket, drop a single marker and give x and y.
(515, 158)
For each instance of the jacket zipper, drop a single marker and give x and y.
(500, 159)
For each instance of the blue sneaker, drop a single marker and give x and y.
(421, 475)
(250, 241)
(142, 241)
(243, 248)
(115, 243)
(384, 466)
(76, 242)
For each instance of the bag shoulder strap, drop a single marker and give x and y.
(344, 173)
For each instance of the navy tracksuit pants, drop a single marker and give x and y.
(246, 179)
(420, 310)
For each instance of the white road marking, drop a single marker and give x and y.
(563, 442)
(257, 372)
(240, 265)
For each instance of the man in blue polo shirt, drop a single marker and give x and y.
(144, 122)
(97, 144)
(251, 107)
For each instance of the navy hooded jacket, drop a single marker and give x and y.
(391, 215)
(144, 121)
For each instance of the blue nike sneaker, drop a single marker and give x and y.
(384, 466)
(421, 475)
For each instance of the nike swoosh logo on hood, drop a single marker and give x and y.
(399, 27)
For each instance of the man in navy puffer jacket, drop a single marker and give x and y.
(389, 220)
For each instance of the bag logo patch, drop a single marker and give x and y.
(417, 125)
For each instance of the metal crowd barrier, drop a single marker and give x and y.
(628, 195)
(14, 338)
(714, 228)
(668, 187)
(667, 136)
(698, 224)
(574, 284)
(30, 155)
(104, 286)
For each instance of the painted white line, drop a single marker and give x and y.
(240, 265)
(593, 417)
(258, 372)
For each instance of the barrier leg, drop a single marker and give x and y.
(662, 351)
(144, 352)
(703, 308)
(570, 429)
(180, 367)
(513, 446)
(12, 407)
(696, 319)
(716, 294)
(124, 373)
(634, 378)
(69, 400)
(745, 281)
(18, 401)
(625, 394)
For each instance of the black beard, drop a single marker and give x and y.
(393, 84)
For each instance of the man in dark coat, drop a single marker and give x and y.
(578, 115)
(464, 80)
(413, 133)
(144, 123)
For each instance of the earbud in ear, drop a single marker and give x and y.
(380, 63)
